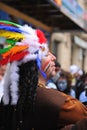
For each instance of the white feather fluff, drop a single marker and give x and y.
(31, 39)
(6, 85)
(14, 76)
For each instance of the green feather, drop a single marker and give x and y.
(5, 49)
(11, 41)
(12, 23)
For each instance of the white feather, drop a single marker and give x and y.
(14, 76)
(6, 85)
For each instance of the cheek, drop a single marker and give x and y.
(45, 64)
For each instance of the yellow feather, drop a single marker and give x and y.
(11, 35)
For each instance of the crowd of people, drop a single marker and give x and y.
(72, 82)
(34, 97)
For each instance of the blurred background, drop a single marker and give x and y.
(64, 23)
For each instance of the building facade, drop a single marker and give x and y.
(69, 49)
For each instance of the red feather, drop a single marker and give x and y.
(41, 36)
(18, 56)
(4, 61)
(15, 57)
(2, 23)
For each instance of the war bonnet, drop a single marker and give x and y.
(23, 44)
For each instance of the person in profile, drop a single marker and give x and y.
(25, 105)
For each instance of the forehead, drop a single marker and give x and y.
(47, 57)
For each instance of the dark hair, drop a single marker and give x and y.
(57, 64)
(28, 82)
(13, 117)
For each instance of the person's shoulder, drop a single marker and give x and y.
(72, 93)
(51, 84)
(83, 97)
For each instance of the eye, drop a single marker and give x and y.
(47, 55)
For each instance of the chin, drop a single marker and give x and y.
(53, 74)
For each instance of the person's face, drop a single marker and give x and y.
(62, 83)
(48, 65)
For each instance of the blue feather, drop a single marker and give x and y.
(10, 28)
(39, 67)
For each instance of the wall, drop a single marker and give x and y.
(63, 48)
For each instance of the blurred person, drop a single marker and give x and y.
(63, 83)
(83, 94)
(58, 71)
(25, 104)
(65, 103)
(76, 71)
(77, 74)
(51, 83)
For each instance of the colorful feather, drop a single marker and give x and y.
(24, 44)
(4, 61)
(11, 58)
(10, 28)
(15, 50)
(11, 35)
(11, 41)
(39, 67)
(9, 23)
(2, 23)
(41, 36)
(5, 49)
(18, 56)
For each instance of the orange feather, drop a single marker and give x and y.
(15, 50)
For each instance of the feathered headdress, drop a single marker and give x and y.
(23, 41)
(23, 44)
